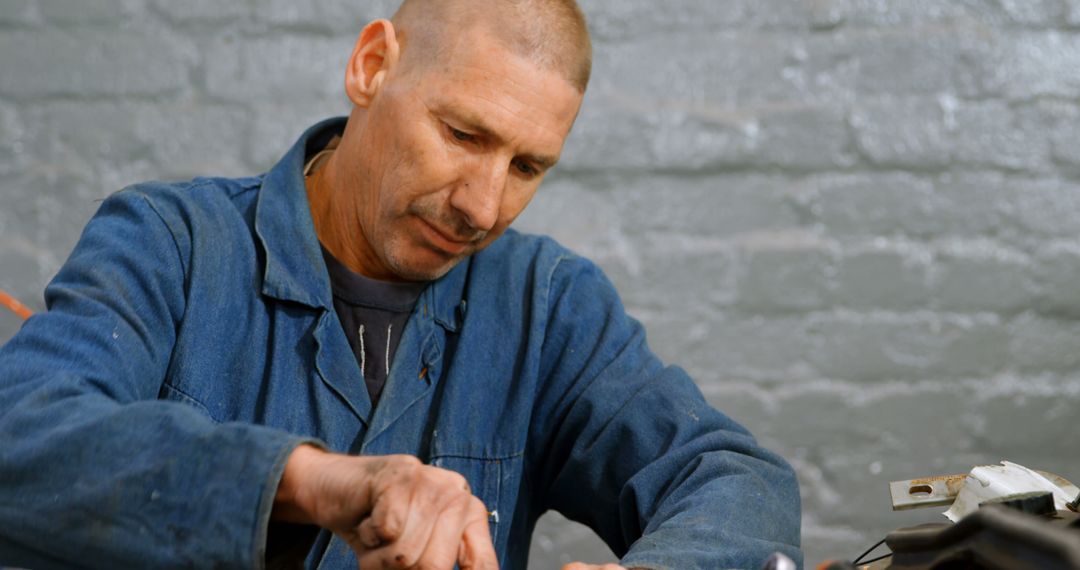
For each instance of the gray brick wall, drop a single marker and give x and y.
(855, 222)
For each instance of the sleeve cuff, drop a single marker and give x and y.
(266, 503)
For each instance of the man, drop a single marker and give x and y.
(350, 359)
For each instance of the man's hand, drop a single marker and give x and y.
(394, 511)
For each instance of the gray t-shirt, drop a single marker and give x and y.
(373, 314)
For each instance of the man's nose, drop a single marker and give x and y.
(479, 196)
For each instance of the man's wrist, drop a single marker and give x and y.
(292, 503)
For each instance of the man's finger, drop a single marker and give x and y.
(425, 514)
(477, 552)
(367, 536)
(444, 545)
(388, 518)
(437, 504)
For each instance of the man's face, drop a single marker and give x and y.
(451, 153)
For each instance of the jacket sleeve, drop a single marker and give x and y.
(634, 451)
(95, 472)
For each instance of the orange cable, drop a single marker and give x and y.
(14, 305)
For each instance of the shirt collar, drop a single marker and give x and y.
(295, 268)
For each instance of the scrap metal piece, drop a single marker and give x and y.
(1038, 503)
(995, 481)
(937, 491)
(941, 490)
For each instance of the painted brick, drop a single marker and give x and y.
(983, 276)
(680, 275)
(12, 139)
(883, 275)
(626, 135)
(877, 347)
(1045, 206)
(804, 138)
(622, 134)
(582, 215)
(988, 132)
(181, 140)
(1013, 422)
(635, 18)
(724, 206)
(1044, 343)
(95, 141)
(1039, 64)
(1057, 119)
(1034, 12)
(1072, 12)
(847, 445)
(51, 203)
(967, 203)
(342, 16)
(903, 132)
(885, 13)
(20, 13)
(605, 137)
(924, 60)
(277, 125)
(117, 63)
(186, 141)
(974, 204)
(290, 13)
(1066, 146)
(881, 204)
(203, 11)
(785, 272)
(716, 347)
(83, 12)
(730, 69)
(940, 132)
(87, 134)
(1058, 268)
(285, 69)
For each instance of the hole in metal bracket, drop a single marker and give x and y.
(921, 491)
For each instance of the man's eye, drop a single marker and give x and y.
(461, 135)
(525, 168)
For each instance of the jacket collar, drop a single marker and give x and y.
(295, 270)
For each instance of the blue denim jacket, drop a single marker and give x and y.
(191, 344)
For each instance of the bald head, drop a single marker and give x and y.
(550, 33)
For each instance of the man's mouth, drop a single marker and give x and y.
(445, 241)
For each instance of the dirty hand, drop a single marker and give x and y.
(394, 511)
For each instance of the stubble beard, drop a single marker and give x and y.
(399, 261)
(399, 245)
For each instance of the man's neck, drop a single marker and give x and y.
(331, 219)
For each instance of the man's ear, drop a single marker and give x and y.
(376, 51)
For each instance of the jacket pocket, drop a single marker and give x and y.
(494, 480)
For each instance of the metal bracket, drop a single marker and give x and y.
(941, 490)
